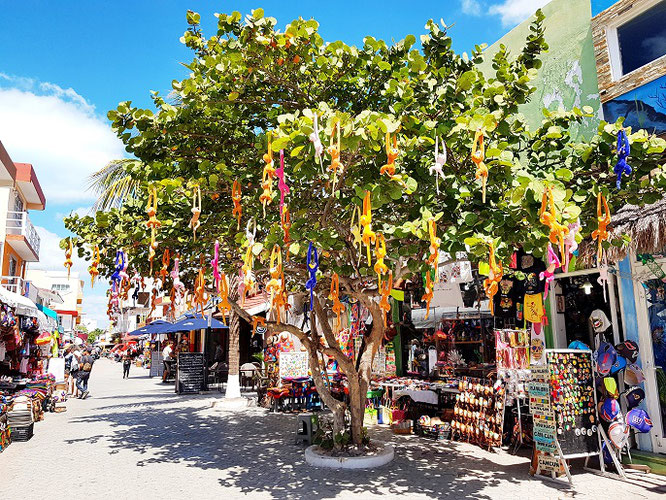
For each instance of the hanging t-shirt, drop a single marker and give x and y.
(532, 267)
(506, 298)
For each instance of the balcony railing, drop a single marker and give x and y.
(13, 284)
(19, 223)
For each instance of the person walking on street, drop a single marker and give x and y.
(74, 372)
(86, 364)
(127, 362)
(166, 357)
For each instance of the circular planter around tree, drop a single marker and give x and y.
(318, 457)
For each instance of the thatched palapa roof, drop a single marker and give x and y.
(646, 226)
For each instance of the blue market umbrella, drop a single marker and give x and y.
(158, 326)
(194, 323)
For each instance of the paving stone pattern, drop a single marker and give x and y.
(136, 439)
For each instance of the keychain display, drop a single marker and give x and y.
(478, 415)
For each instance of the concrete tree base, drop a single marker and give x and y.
(317, 457)
(232, 403)
(233, 387)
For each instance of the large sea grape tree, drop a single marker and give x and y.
(251, 85)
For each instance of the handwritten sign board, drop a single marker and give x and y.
(549, 464)
(190, 374)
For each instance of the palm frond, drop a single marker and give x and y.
(113, 184)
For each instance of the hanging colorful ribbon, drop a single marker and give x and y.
(380, 252)
(435, 242)
(385, 291)
(623, 151)
(604, 219)
(316, 141)
(164, 272)
(68, 256)
(549, 274)
(236, 198)
(334, 152)
(313, 266)
(282, 185)
(440, 160)
(491, 283)
(428, 295)
(478, 156)
(334, 295)
(368, 236)
(93, 269)
(196, 211)
(267, 176)
(153, 224)
(392, 153)
(223, 290)
(548, 217)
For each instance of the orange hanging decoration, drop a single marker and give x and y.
(435, 242)
(196, 212)
(427, 297)
(355, 229)
(334, 151)
(548, 217)
(249, 280)
(223, 289)
(256, 322)
(153, 224)
(478, 155)
(491, 283)
(200, 292)
(385, 291)
(276, 283)
(334, 295)
(92, 270)
(604, 219)
(267, 176)
(166, 258)
(380, 252)
(392, 154)
(68, 256)
(368, 236)
(236, 198)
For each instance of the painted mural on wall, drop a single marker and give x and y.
(644, 107)
(568, 77)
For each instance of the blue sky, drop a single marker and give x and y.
(63, 65)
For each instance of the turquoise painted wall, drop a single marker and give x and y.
(568, 77)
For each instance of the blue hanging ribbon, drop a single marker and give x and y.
(120, 264)
(623, 150)
(313, 266)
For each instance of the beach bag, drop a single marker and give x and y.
(370, 417)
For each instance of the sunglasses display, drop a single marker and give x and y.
(478, 415)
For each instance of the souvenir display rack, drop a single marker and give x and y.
(478, 416)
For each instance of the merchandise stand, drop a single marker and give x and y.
(570, 421)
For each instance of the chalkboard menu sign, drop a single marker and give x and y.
(190, 374)
(573, 401)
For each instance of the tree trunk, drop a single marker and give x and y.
(233, 381)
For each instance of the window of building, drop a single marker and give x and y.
(642, 39)
(18, 203)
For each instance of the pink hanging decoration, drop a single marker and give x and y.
(547, 275)
(282, 185)
(175, 275)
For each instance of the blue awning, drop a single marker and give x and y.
(195, 323)
(158, 326)
(47, 311)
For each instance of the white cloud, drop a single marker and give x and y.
(57, 131)
(514, 12)
(52, 258)
(470, 7)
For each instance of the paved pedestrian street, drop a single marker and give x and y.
(135, 438)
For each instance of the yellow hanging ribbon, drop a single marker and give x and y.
(236, 198)
(603, 219)
(478, 156)
(491, 283)
(153, 224)
(68, 256)
(93, 269)
(368, 236)
(334, 151)
(548, 217)
(428, 295)
(267, 176)
(196, 211)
